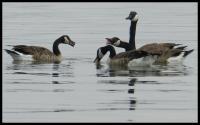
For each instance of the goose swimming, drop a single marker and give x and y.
(133, 57)
(166, 51)
(37, 53)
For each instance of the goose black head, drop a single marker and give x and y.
(113, 41)
(133, 16)
(66, 40)
(102, 51)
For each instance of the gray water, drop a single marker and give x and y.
(76, 90)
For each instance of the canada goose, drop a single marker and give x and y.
(164, 50)
(37, 53)
(135, 57)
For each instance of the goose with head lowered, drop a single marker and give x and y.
(166, 51)
(37, 53)
(133, 58)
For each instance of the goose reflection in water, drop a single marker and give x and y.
(63, 71)
(41, 68)
(155, 70)
(131, 91)
(130, 102)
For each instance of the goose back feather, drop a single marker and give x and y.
(24, 52)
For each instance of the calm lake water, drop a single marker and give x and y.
(76, 90)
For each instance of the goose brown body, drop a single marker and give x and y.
(165, 51)
(40, 53)
(122, 58)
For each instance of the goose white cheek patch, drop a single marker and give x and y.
(100, 54)
(117, 43)
(135, 18)
(66, 40)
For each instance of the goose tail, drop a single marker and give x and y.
(179, 57)
(181, 47)
(186, 53)
(11, 52)
(18, 56)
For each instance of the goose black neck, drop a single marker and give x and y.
(110, 49)
(56, 50)
(132, 34)
(125, 45)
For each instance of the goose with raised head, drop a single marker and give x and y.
(133, 57)
(133, 16)
(166, 51)
(37, 53)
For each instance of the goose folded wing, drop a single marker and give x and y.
(133, 54)
(156, 48)
(31, 50)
